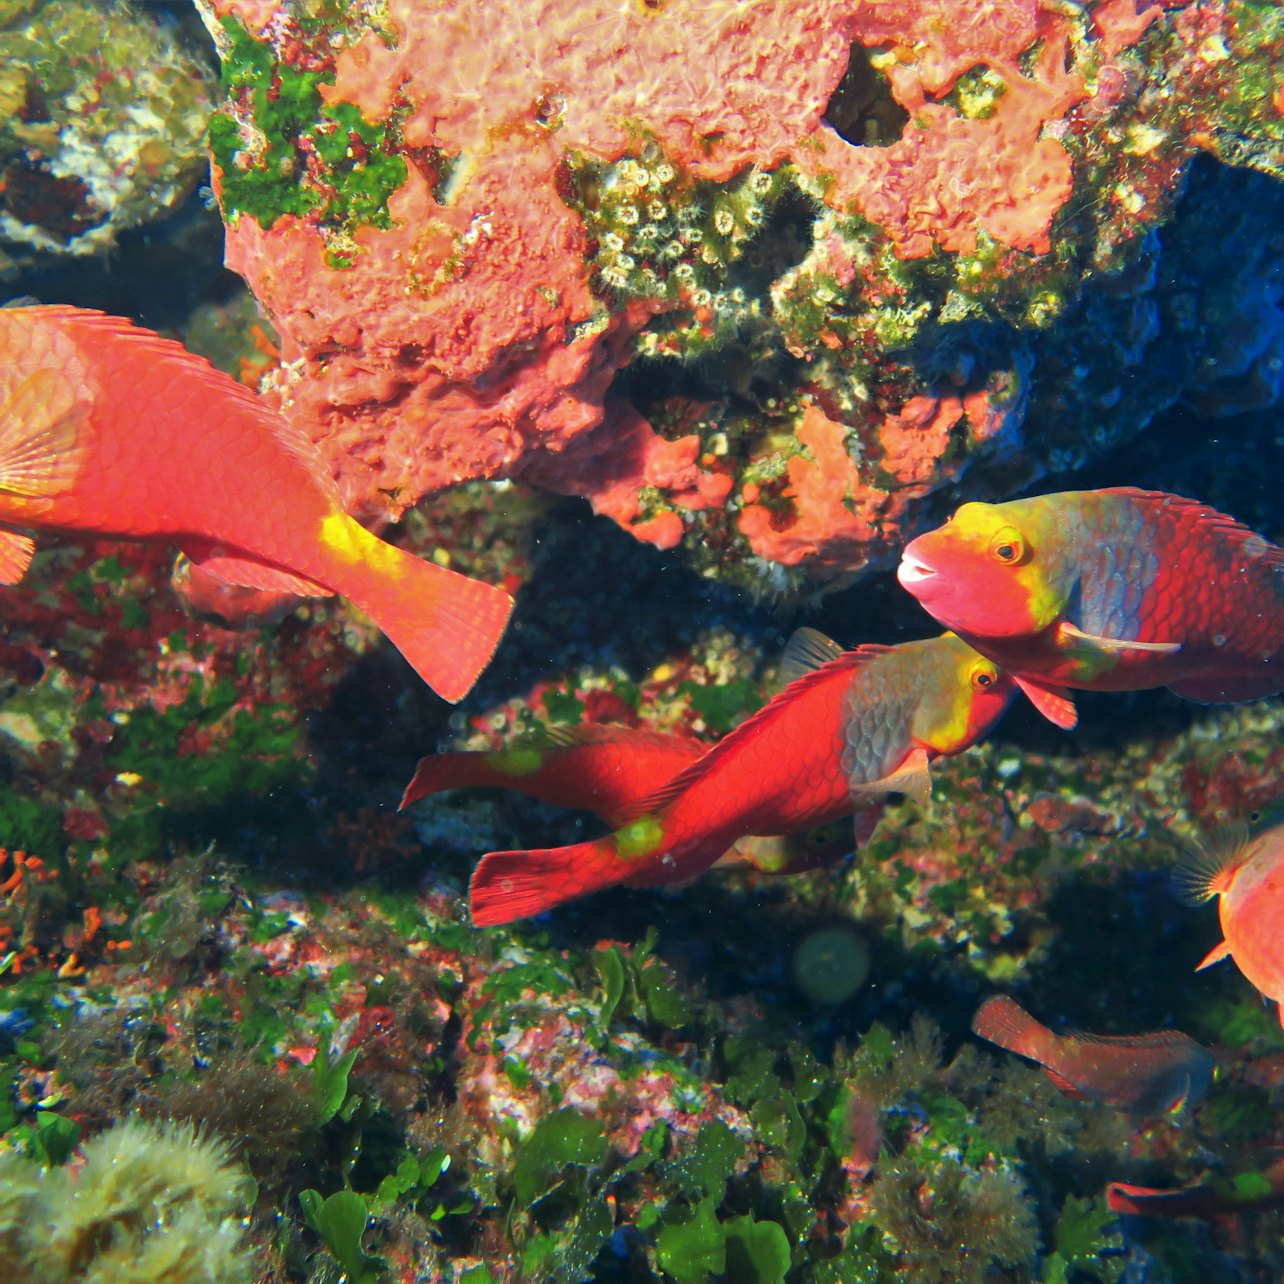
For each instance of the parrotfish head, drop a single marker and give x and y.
(984, 572)
(961, 696)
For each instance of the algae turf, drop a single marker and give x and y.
(308, 156)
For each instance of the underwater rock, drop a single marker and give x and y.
(102, 124)
(645, 259)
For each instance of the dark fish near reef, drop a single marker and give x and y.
(1147, 1074)
(609, 770)
(1245, 870)
(861, 723)
(1108, 590)
(108, 429)
(1236, 1194)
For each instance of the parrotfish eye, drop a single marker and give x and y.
(1007, 546)
(984, 677)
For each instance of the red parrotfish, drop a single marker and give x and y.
(1108, 590)
(110, 430)
(609, 770)
(1246, 871)
(1147, 1074)
(864, 722)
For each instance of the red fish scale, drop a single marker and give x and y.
(1217, 587)
(235, 477)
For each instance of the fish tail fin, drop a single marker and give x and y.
(1206, 868)
(507, 886)
(1005, 1023)
(445, 624)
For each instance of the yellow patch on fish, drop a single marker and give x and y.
(639, 839)
(523, 760)
(351, 541)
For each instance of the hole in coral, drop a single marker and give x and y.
(862, 109)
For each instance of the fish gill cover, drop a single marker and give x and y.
(775, 286)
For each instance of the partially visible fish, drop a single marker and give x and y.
(862, 724)
(1108, 590)
(108, 429)
(1236, 1194)
(608, 770)
(1245, 869)
(1146, 1074)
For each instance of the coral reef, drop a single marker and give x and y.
(102, 124)
(667, 242)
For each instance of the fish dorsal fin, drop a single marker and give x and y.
(1252, 544)
(912, 778)
(845, 661)
(16, 552)
(1205, 868)
(1215, 955)
(1055, 703)
(42, 431)
(1148, 1039)
(196, 370)
(1113, 646)
(807, 650)
(563, 736)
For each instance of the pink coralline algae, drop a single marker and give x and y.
(471, 233)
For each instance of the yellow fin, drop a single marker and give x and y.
(16, 552)
(911, 778)
(41, 437)
(1114, 646)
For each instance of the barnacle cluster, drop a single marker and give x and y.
(659, 233)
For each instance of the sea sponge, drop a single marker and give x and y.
(148, 1203)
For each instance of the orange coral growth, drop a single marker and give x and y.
(833, 510)
(915, 440)
(950, 177)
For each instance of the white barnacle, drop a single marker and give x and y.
(760, 182)
(724, 221)
(628, 215)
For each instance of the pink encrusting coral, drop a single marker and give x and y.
(473, 327)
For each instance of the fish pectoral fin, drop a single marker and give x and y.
(1055, 703)
(912, 778)
(42, 431)
(1062, 1084)
(244, 573)
(1114, 646)
(16, 552)
(1215, 955)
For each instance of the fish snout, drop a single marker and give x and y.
(913, 571)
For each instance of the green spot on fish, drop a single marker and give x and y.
(639, 839)
(522, 760)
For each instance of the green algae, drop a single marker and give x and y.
(307, 158)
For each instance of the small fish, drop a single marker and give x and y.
(860, 724)
(1108, 590)
(1233, 1194)
(111, 430)
(1146, 1074)
(609, 770)
(1245, 869)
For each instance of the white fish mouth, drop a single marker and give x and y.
(913, 571)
